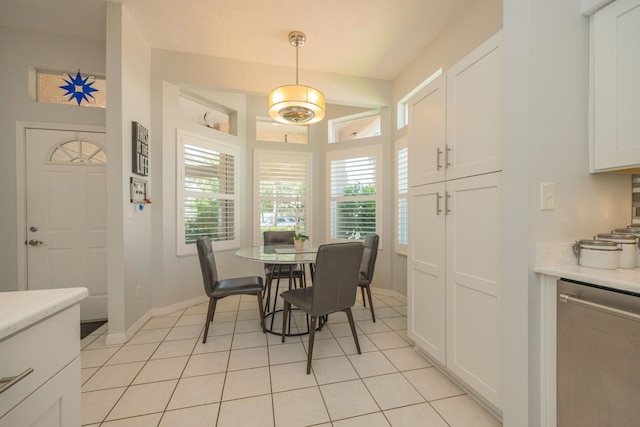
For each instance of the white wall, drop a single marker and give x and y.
(478, 22)
(545, 133)
(20, 50)
(130, 239)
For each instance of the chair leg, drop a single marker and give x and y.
(267, 292)
(312, 335)
(353, 329)
(275, 296)
(373, 316)
(363, 300)
(210, 312)
(285, 312)
(264, 329)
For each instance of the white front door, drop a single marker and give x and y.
(67, 214)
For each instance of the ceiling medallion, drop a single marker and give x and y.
(296, 104)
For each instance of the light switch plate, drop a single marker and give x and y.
(547, 196)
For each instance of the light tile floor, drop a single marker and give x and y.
(164, 376)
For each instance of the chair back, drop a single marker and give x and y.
(278, 238)
(207, 264)
(336, 277)
(369, 256)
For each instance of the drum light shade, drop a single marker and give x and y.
(296, 104)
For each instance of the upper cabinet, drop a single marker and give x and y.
(455, 123)
(615, 86)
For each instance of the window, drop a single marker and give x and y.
(402, 190)
(403, 104)
(272, 131)
(77, 152)
(207, 188)
(49, 90)
(357, 126)
(282, 200)
(354, 193)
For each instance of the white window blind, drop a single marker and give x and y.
(402, 189)
(207, 193)
(282, 203)
(354, 193)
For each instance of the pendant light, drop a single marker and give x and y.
(296, 104)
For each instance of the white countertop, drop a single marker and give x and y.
(21, 309)
(557, 259)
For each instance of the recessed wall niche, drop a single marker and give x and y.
(205, 112)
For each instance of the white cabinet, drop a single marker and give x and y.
(426, 289)
(615, 86)
(455, 122)
(454, 253)
(48, 352)
(454, 291)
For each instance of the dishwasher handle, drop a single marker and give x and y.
(571, 299)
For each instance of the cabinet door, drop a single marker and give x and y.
(426, 281)
(474, 112)
(616, 86)
(426, 133)
(473, 288)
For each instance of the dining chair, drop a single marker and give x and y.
(218, 289)
(334, 289)
(367, 267)
(281, 271)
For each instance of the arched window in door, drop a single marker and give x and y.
(77, 151)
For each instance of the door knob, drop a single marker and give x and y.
(34, 242)
(33, 228)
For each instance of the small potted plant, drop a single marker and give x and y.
(298, 241)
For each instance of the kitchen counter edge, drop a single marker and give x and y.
(21, 309)
(621, 279)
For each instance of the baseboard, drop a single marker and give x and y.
(389, 293)
(489, 407)
(122, 338)
(179, 306)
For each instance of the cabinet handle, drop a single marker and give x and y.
(446, 202)
(438, 197)
(11, 381)
(438, 152)
(446, 156)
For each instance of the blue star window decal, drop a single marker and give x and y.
(78, 88)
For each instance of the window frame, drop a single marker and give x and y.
(402, 107)
(351, 118)
(267, 155)
(401, 144)
(355, 153)
(186, 138)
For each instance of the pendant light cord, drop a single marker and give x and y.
(297, 47)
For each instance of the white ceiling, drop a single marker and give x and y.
(367, 38)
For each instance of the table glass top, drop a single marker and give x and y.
(278, 254)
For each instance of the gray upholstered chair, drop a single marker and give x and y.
(217, 289)
(281, 271)
(367, 267)
(334, 289)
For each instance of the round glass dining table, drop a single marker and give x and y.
(279, 256)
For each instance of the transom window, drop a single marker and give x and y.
(78, 151)
(49, 90)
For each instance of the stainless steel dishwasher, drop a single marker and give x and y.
(598, 347)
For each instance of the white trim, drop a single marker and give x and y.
(154, 312)
(589, 7)
(21, 185)
(353, 117)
